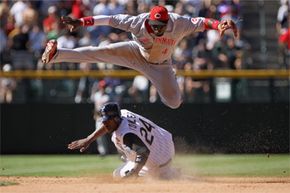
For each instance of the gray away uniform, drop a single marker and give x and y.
(146, 53)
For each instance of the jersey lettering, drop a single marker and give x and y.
(148, 138)
(147, 125)
(146, 132)
(145, 129)
(132, 125)
(131, 121)
(165, 51)
(144, 40)
(155, 138)
(165, 41)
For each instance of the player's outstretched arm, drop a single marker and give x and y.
(222, 26)
(73, 24)
(83, 144)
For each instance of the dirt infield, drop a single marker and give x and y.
(105, 184)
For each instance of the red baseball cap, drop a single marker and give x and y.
(102, 84)
(158, 15)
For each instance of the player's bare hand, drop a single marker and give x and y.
(72, 24)
(81, 144)
(228, 24)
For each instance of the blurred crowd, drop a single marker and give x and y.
(283, 30)
(27, 25)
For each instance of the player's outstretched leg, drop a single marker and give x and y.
(49, 52)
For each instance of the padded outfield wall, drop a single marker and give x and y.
(206, 128)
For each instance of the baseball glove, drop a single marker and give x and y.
(72, 24)
(228, 24)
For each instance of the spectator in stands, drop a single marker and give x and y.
(78, 9)
(17, 10)
(4, 13)
(37, 39)
(48, 13)
(282, 16)
(201, 61)
(67, 41)
(101, 8)
(7, 85)
(99, 98)
(282, 25)
(30, 15)
(182, 54)
(131, 8)
(99, 95)
(229, 9)
(139, 89)
(143, 6)
(284, 43)
(115, 7)
(3, 40)
(51, 22)
(9, 24)
(116, 88)
(85, 84)
(20, 48)
(219, 56)
(153, 95)
(103, 142)
(45, 5)
(179, 8)
(234, 54)
(85, 40)
(64, 7)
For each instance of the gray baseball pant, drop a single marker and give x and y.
(127, 54)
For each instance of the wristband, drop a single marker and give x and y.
(87, 21)
(211, 24)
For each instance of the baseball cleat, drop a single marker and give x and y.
(49, 52)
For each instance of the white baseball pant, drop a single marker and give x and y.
(164, 172)
(127, 54)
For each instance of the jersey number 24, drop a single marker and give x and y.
(146, 131)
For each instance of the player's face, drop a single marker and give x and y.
(111, 125)
(158, 29)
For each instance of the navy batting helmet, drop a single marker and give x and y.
(109, 111)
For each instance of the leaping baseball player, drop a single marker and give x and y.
(155, 36)
(147, 148)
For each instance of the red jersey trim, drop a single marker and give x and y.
(211, 23)
(148, 27)
(87, 21)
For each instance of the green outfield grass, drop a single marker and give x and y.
(92, 165)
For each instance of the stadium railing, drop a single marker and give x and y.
(55, 74)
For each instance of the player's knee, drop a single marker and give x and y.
(174, 102)
(175, 105)
(124, 170)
